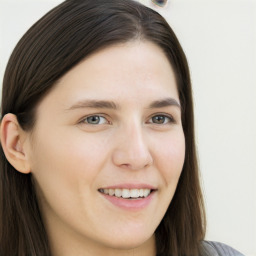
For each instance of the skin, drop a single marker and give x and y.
(71, 159)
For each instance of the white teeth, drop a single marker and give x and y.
(111, 192)
(118, 192)
(134, 193)
(146, 192)
(127, 193)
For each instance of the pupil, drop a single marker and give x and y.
(93, 119)
(159, 119)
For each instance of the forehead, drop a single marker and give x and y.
(129, 72)
(132, 62)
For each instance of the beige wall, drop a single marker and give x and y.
(219, 38)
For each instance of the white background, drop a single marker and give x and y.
(219, 39)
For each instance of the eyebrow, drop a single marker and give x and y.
(164, 103)
(95, 104)
(103, 104)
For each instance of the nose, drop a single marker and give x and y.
(132, 150)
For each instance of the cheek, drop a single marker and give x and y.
(65, 171)
(171, 157)
(66, 160)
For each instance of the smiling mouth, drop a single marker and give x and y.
(127, 193)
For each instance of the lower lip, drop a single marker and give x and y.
(130, 204)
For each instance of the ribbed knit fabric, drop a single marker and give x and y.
(218, 249)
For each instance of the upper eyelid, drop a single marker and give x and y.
(163, 114)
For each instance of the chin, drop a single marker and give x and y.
(126, 242)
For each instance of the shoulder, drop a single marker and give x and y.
(218, 249)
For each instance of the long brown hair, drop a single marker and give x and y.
(51, 47)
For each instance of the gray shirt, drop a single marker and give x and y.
(218, 249)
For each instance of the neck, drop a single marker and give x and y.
(91, 248)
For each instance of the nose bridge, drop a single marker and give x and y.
(137, 145)
(132, 150)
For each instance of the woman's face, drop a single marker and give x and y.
(108, 149)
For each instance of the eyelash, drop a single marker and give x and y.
(168, 119)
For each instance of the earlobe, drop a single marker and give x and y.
(13, 140)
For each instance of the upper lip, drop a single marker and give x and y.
(130, 186)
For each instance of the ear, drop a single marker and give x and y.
(13, 139)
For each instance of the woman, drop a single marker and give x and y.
(98, 154)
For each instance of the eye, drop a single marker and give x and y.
(161, 119)
(95, 120)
